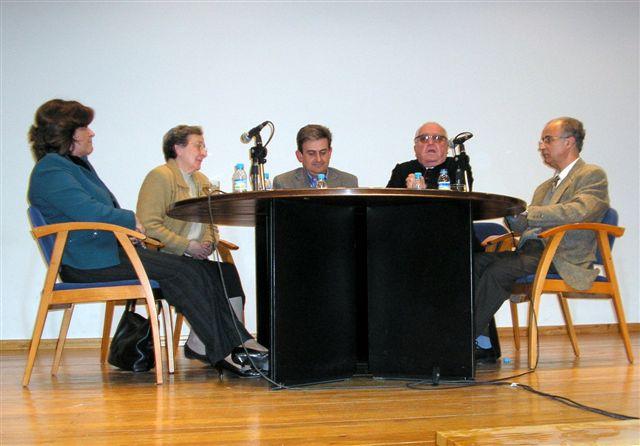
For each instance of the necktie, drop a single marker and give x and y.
(555, 181)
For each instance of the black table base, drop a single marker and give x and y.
(387, 286)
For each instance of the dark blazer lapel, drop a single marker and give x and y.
(96, 179)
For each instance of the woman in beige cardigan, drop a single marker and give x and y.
(179, 179)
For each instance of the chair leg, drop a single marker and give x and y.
(177, 331)
(62, 337)
(515, 324)
(155, 333)
(568, 322)
(35, 341)
(534, 311)
(622, 323)
(168, 334)
(106, 331)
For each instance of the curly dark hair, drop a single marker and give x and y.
(178, 136)
(54, 125)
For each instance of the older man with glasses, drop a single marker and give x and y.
(577, 193)
(431, 146)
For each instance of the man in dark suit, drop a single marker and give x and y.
(431, 146)
(314, 152)
(577, 193)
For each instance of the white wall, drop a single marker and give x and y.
(372, 72)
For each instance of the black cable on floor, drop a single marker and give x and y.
(501, 382)
(569, 402)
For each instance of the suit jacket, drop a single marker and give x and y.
(162, 187)
(581, 197)
(297, 179)
(66, 192)
(401, 171)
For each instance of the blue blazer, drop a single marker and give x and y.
(66, 192)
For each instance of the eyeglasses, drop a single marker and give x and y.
(200, 147)
(426, 138)
(549, 139)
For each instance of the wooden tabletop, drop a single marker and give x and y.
(241, 209)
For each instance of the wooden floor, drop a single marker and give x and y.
(94, 405)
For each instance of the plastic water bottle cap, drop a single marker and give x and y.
(239, 166)
(266, 176)
(321, 176)
(506, 360)
(418, 175)
(443, 171)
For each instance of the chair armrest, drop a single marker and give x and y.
(122, 234)
(616, 231)
(502, 238)
(504, 242)
(45, 230)
(228, 245)
(555, 236)
(153, 244)
(224, 249)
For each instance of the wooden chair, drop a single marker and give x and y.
(60, 295)
(172, 330)
(531, 288)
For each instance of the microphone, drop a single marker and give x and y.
(246, 137)
(460, 138)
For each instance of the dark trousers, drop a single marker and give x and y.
(494, 274)
(192, 286)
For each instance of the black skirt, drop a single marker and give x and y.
(192, 286)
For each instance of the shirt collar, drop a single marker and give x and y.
(313, 179)
(564, 172)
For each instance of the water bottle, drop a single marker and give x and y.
(239, 179)
(418, 182)
(267, 182)
(322, 182)
(443, 180)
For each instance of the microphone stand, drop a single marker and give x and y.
(461, 160)
(258, 159)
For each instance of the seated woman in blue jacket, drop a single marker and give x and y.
(66, 188)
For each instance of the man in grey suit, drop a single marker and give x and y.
(314, 152)
(577, 193)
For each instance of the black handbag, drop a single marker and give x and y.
(132, 344)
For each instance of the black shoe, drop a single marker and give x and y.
(485, 355)
(259, 358)
(190, 354)
(238, 370)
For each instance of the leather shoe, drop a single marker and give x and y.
(485, 355)
(260, 358)
(239, 371)
(190, 354)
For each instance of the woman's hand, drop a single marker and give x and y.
(207, 245)
(139, 226)
(198, 250)
(140, 229)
